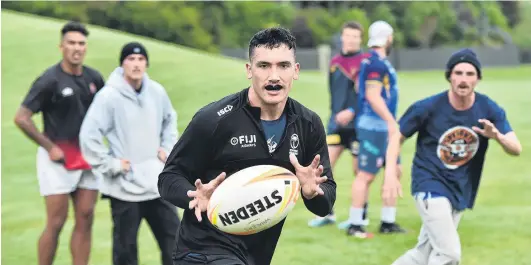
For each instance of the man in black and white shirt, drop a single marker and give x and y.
(258, 125)
(63, 93)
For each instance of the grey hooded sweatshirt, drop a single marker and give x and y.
(135, 126)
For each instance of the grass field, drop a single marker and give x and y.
(496, 232)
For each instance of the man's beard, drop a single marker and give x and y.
(388, 49)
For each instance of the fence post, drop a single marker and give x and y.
(324, 51)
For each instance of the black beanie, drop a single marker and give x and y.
(463, 56)
(133, 48)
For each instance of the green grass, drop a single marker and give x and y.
(496, 232)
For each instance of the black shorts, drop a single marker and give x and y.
(346, 138)
(197, 259)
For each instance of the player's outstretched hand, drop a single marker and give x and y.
(201, 194)
(489, 130)
(309, 177)
(392, 188)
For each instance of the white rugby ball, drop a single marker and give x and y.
(253, 199)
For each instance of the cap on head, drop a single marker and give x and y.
(379, 33)
(463, 56)
(133, 48)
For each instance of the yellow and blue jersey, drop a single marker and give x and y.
(380, 71)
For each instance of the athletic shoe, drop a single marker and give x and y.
(346, 224)
(391, 228)
(322, 221)
(358, 231)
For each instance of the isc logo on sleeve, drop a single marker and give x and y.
(225, 110)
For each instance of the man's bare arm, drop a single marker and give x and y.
(374, 91)
(510, 143)
(23, 119)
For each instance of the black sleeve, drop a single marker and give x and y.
(101, 82)
(187, 161)
(320, 205)
(40, 93)
(96, 78)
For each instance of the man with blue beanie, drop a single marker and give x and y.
(454, 128)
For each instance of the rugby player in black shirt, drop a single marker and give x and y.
(258, 125)
(63, 94)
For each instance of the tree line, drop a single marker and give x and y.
(211, 26)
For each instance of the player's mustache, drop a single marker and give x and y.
(273, 87)
(462, 85)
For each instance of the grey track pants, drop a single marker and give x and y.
(438, 242)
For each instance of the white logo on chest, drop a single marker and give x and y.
(67, 91)
(244, 141)
(294, 144)
(271, 144)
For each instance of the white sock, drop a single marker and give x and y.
(356, 215)
(388, 214)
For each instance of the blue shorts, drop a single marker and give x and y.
(372, 148)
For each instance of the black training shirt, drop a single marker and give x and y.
(63, 100)
(227, 136)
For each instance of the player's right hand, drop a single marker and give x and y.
(126, 165)
(392, 188)
(56, 154)
(202, 193)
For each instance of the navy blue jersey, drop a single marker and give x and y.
(449, 155)
(380, 71)
(342, 84)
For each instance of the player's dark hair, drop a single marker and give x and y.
(74, 26)
(272, 38)
(352, 25)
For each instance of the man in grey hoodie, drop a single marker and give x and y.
(135, 115)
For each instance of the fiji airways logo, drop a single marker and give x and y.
(244, 141)
(225, 110)
(294, 144)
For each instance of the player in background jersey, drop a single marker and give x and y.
(62, 94)
(376, 124)
(342, 84)
(454, 128)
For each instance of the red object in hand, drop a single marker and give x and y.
(73, 159)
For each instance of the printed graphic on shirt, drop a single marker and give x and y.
(457, 146)
(272, 144)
